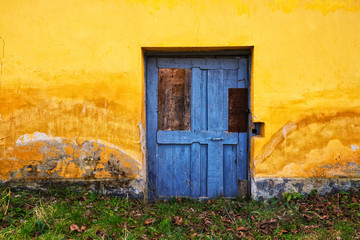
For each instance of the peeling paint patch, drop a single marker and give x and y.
(36, 137)
(315, 146)
(354, 147)
(41, 156)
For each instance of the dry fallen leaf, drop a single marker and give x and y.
(226, 221)
(178, 220)
(213, 233)
(74, 227)
(241, 229)
(149, 221)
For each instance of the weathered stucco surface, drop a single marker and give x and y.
(315, 146)
(39, 156)
(73, 71)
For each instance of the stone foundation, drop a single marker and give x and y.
(268, 187)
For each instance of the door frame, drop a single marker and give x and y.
(246, 52)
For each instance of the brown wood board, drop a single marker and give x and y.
(174, 99)
(238, 109)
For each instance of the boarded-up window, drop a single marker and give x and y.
(174, 99)
(238, 109)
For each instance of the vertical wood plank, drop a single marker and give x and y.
(203, 170)
(164, 171)
(196, 110)
(242, 156)
(243, 73)
(186, 156)
(230, 171)
(204, 99)
(174, 178)
(196, 107)
(195, 170)
(181, 173)
(151, 123)
(215, 99)
(215, 170)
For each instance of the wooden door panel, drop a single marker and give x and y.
(198, 157)
(173, 171)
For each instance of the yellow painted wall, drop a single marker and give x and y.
(72, 73)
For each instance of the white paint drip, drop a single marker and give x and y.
(354, 147)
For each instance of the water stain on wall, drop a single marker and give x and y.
(92, 119)
(38, 156)
(79, 105)
(319, 145)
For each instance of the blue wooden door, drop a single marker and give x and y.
(200, 158)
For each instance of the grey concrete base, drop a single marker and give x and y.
(268, 187)
(118, 187)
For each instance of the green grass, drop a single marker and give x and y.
(70, 214)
